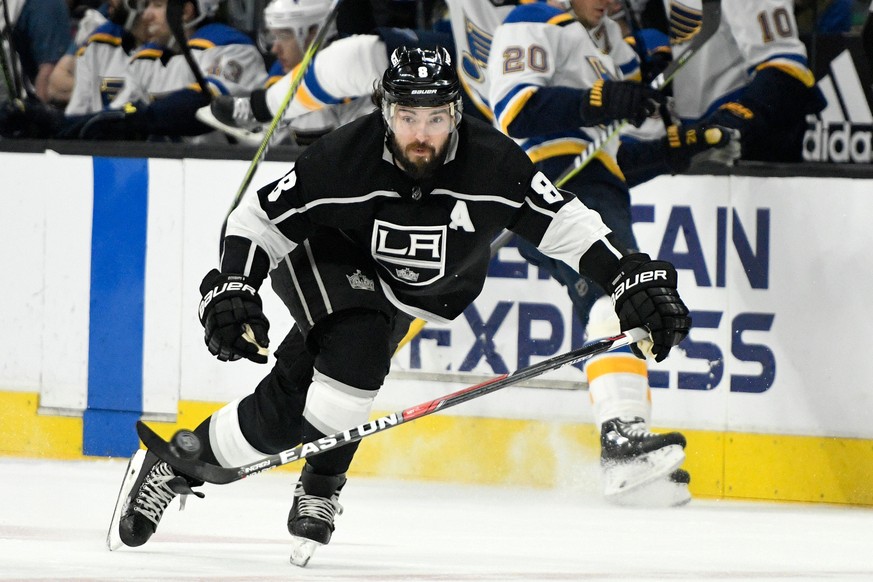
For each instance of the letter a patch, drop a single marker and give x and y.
(461, 217)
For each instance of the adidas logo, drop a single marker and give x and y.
(843, 131)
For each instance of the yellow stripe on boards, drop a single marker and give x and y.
(526, 452)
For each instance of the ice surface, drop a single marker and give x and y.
(53, 519)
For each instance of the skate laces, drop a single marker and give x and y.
(635, 428)
(322, 508)
(158, 489)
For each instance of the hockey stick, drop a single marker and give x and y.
(175, 21)
(295, 83)
(10, 72)
(183, 457)
(711, 14)
(7, 73)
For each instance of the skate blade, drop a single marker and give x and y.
(113, 537)
(302, 550)
(620, 478)
(660, 493)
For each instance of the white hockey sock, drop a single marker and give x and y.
(229, 446)
(618, 385)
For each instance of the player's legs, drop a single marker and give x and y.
(639, 467)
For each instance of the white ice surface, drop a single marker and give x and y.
(53, 518)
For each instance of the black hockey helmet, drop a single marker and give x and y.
(421, 78)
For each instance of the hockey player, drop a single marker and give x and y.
(386, 218)
(555, 76)
(102, 61)
(752, 75)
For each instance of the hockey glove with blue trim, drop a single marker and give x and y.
(233, 319)
(644, 292)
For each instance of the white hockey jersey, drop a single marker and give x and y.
(539, 46)
(229, 60)
(101, 67)
(473, 25)
(754, 34)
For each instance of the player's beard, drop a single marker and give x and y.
(420, 167)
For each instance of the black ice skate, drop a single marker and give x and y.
(633, 459)
(233, 116)
(148, 487)
(316, 504)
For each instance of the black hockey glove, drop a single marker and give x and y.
(644, 292)
(720, 145)
(231, 314)
(128, 123)
(29, 118)
(608, 101)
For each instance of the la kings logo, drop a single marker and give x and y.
(842, 132)
(414, 255)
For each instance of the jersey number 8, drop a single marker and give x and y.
(544, 187)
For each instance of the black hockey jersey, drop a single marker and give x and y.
(429, 240)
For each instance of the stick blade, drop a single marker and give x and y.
(191, 467)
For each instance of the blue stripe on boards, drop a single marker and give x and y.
(115, 346)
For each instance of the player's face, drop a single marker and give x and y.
(155, 19)
(286, 48)
(421, 137)
(590, 12)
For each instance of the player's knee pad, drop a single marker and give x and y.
(225, 438)
(333, 406)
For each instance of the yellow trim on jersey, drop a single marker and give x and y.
(616, 365)
(571, 147)
(201, 43)
(610, 164)
(802, 74)
(561, 18)
(152, 54)
(81, 50)
(305, 98)
(104, 38)
(514, 107)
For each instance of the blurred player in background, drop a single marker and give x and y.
(556, 76)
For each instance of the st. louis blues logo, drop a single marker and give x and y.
(413, 255)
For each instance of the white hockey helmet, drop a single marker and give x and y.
(298, 16)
